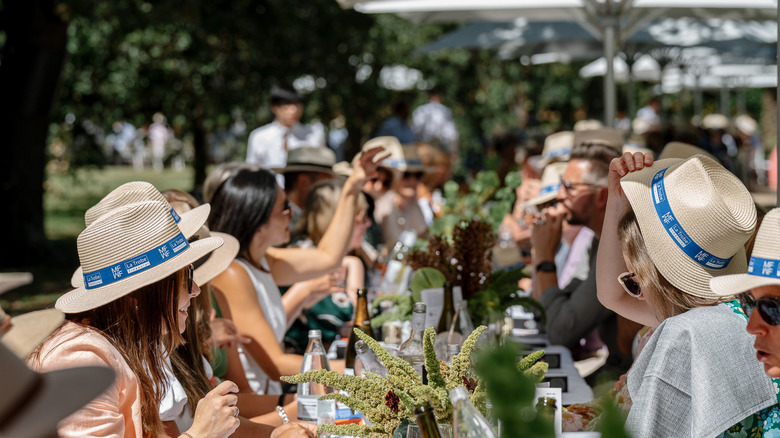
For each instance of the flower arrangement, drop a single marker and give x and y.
(388, 402)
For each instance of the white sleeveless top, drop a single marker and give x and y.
(270, 300)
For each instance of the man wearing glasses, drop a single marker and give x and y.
(758, 291)
(575, 311)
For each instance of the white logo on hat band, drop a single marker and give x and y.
(676, 231)
(764, 267)
(136, 264)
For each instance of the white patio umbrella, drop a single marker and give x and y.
(609, 19)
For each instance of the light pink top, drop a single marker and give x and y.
(116, 412)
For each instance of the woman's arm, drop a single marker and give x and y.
(289, 265)
(245, 311)
(304, 294)
(356, 276)
(609, 262)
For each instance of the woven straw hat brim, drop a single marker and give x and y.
(766, 246)
(713, 207)
(82, 299)
(304, 168)
(219, 259)
(59, 394)
(552, 175)
(189, 224)
(12, 280)
(29, 330)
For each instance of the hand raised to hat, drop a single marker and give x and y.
(622, 166)
(365, 167)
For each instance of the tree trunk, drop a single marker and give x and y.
(30, 72)
(201, 153)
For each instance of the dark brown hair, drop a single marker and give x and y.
(142, 325)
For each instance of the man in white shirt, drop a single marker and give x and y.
(269, 144)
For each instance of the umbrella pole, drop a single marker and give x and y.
(609, 79)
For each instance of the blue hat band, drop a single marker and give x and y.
(769, 268)
(676, 231)
(546, 190)
(137, 264)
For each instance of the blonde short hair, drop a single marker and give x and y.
(320, 206)
(665, 299)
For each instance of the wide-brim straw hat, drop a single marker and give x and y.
(219, 259)
(30, 329)
(309, 159)
(695, 217)
(128, 248)
(551, 183)
(587, 125)
(557, 147)
(33, 403)
(12, 280)
(746, 124)
(678, 149)
(343, 168)
(136, 191)
(715, 121)
(608, 137)
(764, 266)
(403, 158)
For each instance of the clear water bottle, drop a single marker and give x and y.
(467, 421)
(411, 350)
(315, 358)
(368, 359)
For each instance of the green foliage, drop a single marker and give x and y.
(426, 278)
(401, 309)
(501, 293)
(511, 393)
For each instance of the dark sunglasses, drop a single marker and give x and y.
(416, 175)
(285, 208)
(630, 285)
(190, 277)
(768, 307)
(569, 186)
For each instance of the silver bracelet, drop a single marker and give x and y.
(280, 411)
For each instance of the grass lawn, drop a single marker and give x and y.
(66, 199)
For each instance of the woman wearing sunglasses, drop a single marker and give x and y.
(137, 283)
(759, 293)
(672, 226)
(251, 207)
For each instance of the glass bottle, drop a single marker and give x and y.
(368, 359)
(315, 358)
(411, 350)
(362, 322)
(466, 325)
(467, 421)
(397, 273)
(545, 406)
(426, 420)
(452, 350)
(448, 329)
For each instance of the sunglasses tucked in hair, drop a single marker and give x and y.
(768, 307)
(416, 175)
(630, 285)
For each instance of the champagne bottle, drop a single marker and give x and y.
(448, 329)
(362, 322)
(397, 272)
(467, 421)
(426, 421)
(314, 358)
(411, 350)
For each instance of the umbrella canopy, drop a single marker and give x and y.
(609, 20)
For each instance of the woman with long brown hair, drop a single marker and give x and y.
(138, 281)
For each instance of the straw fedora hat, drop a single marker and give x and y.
(764, 266)
(127, 248)
(551, 182)
(557, 147)
(403, 158)
(695, 218)
(715, 121)
(746, 124)
(30, 329)
(309, 159)
(608, 137)
(678, 149)
(26, 331)
(218, 260)
(137, 191)
(587, 125)
(12, 280)
(190, 222)
(33, 403)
